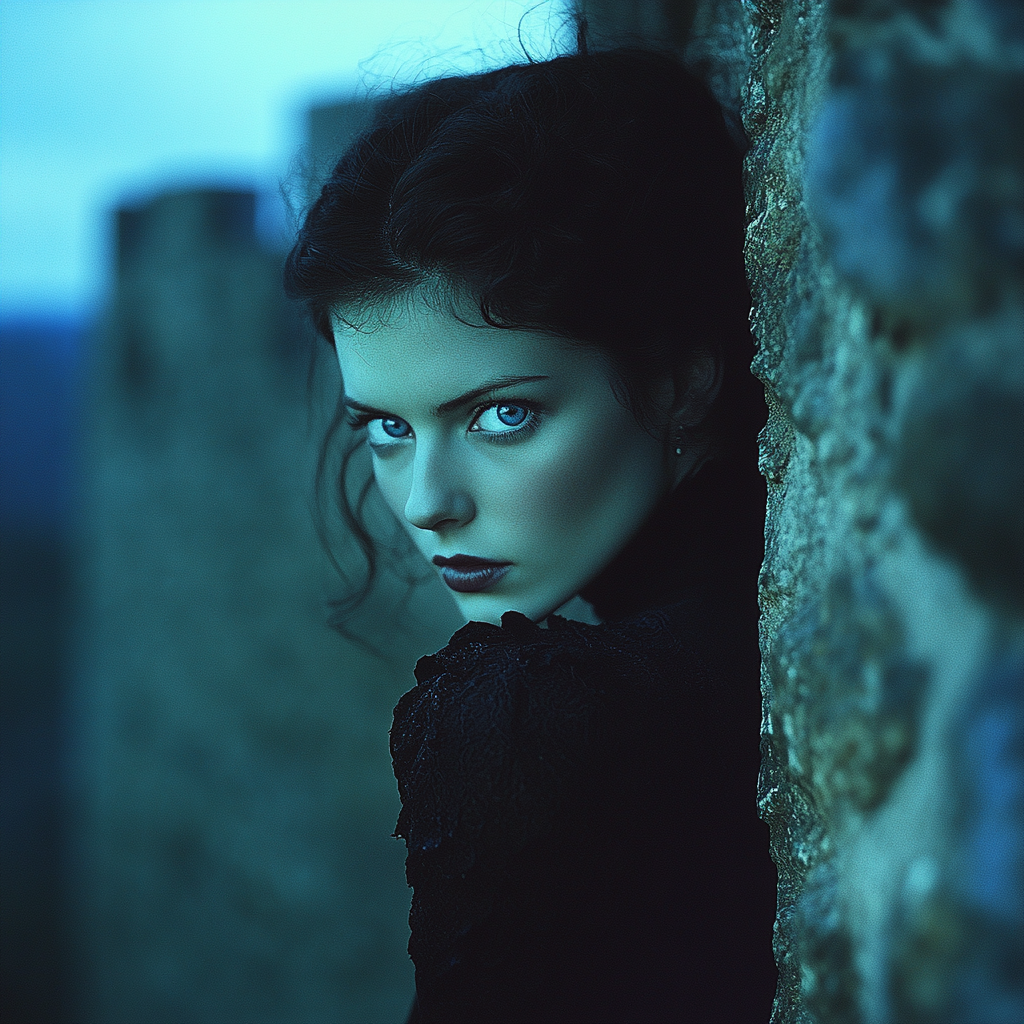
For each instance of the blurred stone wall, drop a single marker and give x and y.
(885, 189)
(234, 859)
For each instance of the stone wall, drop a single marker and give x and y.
(886, 233)
(885, 186)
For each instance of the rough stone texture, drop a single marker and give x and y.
(885, 188)
(885, 183)
(235, 800)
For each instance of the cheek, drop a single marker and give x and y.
(393, 489)
(587, 485)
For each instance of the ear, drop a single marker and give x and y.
(696, 388)
(695, 391)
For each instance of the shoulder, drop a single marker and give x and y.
(513, 733)
(638, 651)
(522, 708)
(532, 682)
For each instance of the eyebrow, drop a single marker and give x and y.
(456, 403)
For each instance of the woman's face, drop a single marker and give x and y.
(504, 454)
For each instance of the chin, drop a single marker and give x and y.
(491, 607)
(486, 608)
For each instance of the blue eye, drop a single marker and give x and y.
(503, 422)
(512, 415)
(394, 427)
(384, 430)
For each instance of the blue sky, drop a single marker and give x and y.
(104, 102)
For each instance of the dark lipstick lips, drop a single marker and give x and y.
(467, 575)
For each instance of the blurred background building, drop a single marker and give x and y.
(197, 799)
(232, 857)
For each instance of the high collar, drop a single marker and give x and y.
(706, 536)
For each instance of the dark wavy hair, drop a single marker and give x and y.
(595, 197)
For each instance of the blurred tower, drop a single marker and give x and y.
(331, 127)
(235, 859)
(638, 22)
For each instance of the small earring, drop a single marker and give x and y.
(679, 442)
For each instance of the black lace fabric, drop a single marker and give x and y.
(578, 803)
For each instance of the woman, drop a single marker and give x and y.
(533, 282)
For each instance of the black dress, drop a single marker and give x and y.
(579, 804)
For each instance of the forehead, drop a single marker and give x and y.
(414, 352)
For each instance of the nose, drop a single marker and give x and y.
(439, 497)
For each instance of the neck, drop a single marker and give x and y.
(705, 538)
